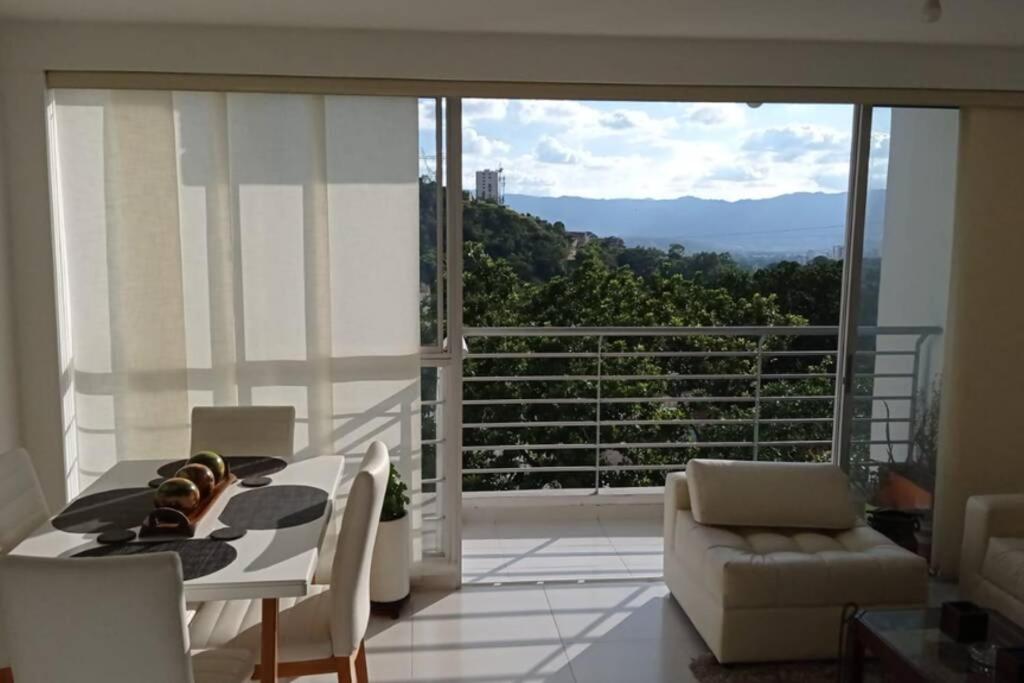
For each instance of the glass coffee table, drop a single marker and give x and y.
(909, 646)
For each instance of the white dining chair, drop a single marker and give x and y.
(107, 619)
(23, 509)
(244, 430)
(322, 632)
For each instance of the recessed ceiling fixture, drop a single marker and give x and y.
(931, 11)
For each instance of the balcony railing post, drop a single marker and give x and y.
(914, 388)
(757, 397)
(597, 417)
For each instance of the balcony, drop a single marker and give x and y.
(568, 432)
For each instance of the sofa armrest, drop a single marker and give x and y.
(677, 497)
(985, 517)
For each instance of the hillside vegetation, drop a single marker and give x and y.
(521, 270)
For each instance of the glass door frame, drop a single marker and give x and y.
(849, 305)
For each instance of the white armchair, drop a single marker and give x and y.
(763, 556)
(992, 556)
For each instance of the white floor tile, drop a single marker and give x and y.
(566, 568)
(618, 612)
(530, 546)
(479, 530)
(494, 664)
(565, 532)
(484, 569)
(643, 564)
(477, 616)
(650, 661)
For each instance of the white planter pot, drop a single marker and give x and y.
(389, 571)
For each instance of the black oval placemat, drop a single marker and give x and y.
(99, 512)
(199, 556)
(274, 507)
(242, 466)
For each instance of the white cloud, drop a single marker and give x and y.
(582, 121)
(715, 113)
(738, 173)
(551, 151)
(476, 145)
(714, 150)
(426, 114)
(555, 112)
(790, 143)
(480, 110)
(617, 120)
(836, 179)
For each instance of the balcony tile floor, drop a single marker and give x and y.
(602, 632)
(525, 550)
(582, 633)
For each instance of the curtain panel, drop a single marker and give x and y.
(235, 249)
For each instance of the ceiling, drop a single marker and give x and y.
(979, 22)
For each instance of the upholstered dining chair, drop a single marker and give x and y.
(322, 632)
(22, 505)
(22, 509)
(106, 619)
(244, 430)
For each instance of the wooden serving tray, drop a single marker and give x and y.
(163, 523)
(204, 505)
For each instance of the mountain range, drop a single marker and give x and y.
(791, 223)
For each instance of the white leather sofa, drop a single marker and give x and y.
(763, 557)
(992, 556)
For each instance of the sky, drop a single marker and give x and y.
(660, 150)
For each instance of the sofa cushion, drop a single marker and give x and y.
(769, 494)
(1004, 564)
(751, 567)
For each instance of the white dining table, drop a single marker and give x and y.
(270, 563)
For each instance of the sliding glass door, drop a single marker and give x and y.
(899, 264)
(220, 248)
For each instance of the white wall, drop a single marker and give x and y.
(981, 442)
(28, 50)
(8, 376)
(917, 245)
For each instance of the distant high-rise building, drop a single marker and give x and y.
(490, 185)
(838, 251)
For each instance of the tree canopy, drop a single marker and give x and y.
(523, 271)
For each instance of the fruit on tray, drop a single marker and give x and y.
(213, 461)
(200, 475)
(177, 493)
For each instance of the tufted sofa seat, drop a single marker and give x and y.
(775, 590)
(751, 567)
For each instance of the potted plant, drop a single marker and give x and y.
(905, 488)
(909, 484)
(389, 573)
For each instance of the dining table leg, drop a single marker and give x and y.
(268, 644)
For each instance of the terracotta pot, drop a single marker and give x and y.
(902, 493)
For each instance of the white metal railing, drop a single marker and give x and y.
(774, 383)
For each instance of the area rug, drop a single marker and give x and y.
(707, 670)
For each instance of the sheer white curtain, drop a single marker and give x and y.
(235, 249)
